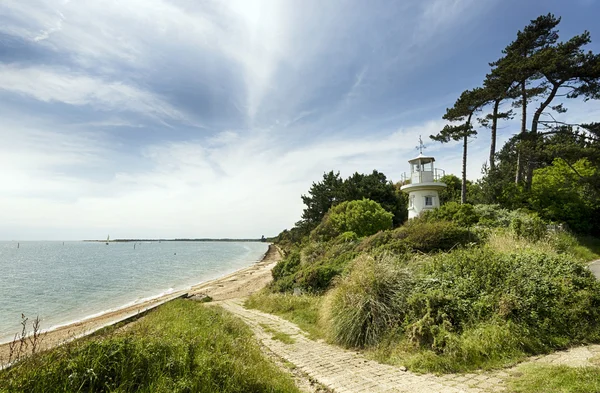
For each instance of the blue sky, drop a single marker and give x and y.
(186, 118)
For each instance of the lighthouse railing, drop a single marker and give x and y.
(422, 177)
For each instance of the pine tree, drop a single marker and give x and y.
(469, 102)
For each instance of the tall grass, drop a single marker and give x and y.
(368, 302)
(180, 347)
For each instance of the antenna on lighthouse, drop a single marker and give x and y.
(421, 145)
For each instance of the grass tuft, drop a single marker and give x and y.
(368, 302)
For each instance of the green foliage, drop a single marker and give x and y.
(366, 303)
(333, 190)
(467, 309)
(313, 267)
(493, 216)
(362, 217)
(462, 214)
(452, 191)
(378, 188)
(181, 347)
(484, 346)
(321, 197)
(555, 379)
(529, 226)
(558, 194)
(424, 236)
(551, 297)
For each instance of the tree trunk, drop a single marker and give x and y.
(463, 189)
(493, 141)
(531, 165)
(519, 173)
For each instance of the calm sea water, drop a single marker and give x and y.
(66, 283)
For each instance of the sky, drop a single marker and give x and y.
(202, 118)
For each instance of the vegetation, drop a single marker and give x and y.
(556, 379)
(548, 157)
(498, 272)
(353, 219)
(180, 347)
(462, 287)
(333, 190)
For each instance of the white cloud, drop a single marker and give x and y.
(62, 85)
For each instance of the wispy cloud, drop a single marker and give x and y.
(62, 85)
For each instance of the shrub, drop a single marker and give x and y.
(368, 302)
(485, 345)
(287, 266)
(529, 226)
(312, 268)
(462, 214)
(550, 297)
(493, 215)
(426, 236)
(363, 217)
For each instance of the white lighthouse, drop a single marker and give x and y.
(422, 185)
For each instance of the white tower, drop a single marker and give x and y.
(423, 185)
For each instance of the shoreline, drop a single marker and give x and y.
(239, 283)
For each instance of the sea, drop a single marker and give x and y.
(66, 282)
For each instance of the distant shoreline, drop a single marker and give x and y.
(178, 240)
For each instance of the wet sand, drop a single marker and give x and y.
(241, 283)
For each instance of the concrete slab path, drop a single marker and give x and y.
(346, 371)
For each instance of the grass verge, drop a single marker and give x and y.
(555, 379)
(277, 335)
(180, 347)
(302, 310)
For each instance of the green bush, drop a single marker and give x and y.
(312, 268)
(493, 216)
(550, 297)
(426, 236)
(363, 217)
(180, 347)
(461, 214)
(485, 345)
(529, 226)
(368, 302)
(287, 266)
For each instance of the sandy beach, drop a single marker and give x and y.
(241, 283)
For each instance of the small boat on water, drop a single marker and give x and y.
(107, 239)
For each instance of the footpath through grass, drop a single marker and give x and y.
(182, 346)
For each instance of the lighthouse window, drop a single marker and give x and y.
(429, 200)
(411, 203)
